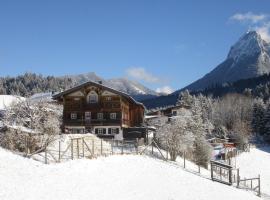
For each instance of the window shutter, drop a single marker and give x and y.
(104, 130)
(96, 131)
(109, 131)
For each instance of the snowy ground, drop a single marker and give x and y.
(256, 162)
(115, 177)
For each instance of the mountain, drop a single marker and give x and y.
(133, 88)
(30, 84)
(248, 57)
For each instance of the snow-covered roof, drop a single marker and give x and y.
(7, 100)
(23, 129)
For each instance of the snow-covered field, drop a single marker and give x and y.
(115, 177)
(256, 162)
(7, 100)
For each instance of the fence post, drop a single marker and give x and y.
(230, 176)
(259, 185)
(101, 147)
(59, 151)
(93, 147)
(112, 142)
(83, 147)
(46, 161)
(212, 173)
(137, 145)
(152, 148)
(78, 148)
(238, 178)
(71, 149)
(184, 159)
(122, 148)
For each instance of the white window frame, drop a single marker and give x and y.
(100, 131)
(100, 116)
(108, 98)
(112, 115)
(73, 116)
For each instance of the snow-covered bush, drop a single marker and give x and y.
(30, 126)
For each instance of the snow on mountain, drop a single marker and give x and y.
(7, 100)
(248, 57)
(115, 177)
(130, 87)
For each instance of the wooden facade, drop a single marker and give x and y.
(93, 107)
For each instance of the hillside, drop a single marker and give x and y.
(257, 87)
(250, 166)
(115, 177)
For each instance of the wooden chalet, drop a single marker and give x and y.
(95, 108)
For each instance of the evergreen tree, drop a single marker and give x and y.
(258, 116)
(185, 99)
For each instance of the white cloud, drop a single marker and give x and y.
(257, 22)
(140, 73)
(165, 89)
(248, 17)
(264, 31)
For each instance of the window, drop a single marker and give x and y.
(100, 131)
(100, 116)
(87, 115)
(115, 131)
(174, 113)
(73, 115)
(113, 115)
(92, 97)
(108, 98)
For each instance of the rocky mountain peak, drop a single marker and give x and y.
(251, 43)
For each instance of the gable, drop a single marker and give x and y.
(76, 94)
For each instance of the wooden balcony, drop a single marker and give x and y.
(96, 106)
(92, 122)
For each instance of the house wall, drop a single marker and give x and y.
(127, 113)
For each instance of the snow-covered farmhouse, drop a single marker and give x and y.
(95, 108)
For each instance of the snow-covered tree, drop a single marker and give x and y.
(175, 137)
(36, 122)
(185, 99)
(266, 121)
(258, 116)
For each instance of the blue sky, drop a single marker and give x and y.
(159, 43)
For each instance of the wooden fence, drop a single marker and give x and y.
(84, 147)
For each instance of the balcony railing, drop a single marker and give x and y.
(92, 122)
(94, 106)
